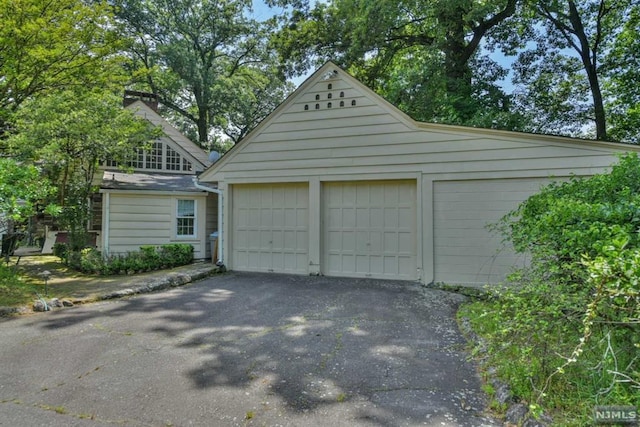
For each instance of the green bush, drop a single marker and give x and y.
(566, 333)
(148, 258)
(60, 250)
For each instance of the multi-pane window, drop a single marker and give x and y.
(173, 159)
(186, 218)
(154, 157)
(175, 162)
(160, 157)
(138, 159)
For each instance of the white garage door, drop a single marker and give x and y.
(370, 229)
(270, 228)
(465, 250)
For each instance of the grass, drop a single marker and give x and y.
(21, 280)
(570, 396)
(14, 290)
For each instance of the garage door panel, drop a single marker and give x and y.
(270, 227)
(370, 229)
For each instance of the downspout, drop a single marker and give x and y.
(220, 261)
(106, 219)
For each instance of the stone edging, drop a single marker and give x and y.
(141, 286)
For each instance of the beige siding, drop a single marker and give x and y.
(465, 251)
(373, 137)
(465, 177)
(136, 220)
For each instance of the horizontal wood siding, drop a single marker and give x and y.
(137, 220)
(372, 137)
(465, 251)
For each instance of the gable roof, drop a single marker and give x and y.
(193, 150)
(331, 107)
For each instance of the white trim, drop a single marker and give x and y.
(192, 236)
(106, 222)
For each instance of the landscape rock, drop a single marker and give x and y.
(531, 422)
(55, 302)
(503, 394)
(40, 306)
(67, 303)
(5, 311)
(516, 414)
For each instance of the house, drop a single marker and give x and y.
(337, 181)
(159, 202)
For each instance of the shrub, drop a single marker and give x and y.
(567, 332)
(148, 258)
(60, 250)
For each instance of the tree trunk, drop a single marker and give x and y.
(590, 67)
(203, 128)
(456, 63)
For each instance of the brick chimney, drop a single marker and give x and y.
(131, 96)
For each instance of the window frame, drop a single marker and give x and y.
(178, 217)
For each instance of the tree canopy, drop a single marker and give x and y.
(202, 58)
(420, 55)
(47, 46)
(69, 134)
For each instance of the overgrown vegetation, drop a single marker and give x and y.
(566, 334)
(148, 258)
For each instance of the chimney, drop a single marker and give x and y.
(131, 96)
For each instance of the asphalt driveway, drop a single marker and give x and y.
(245, 349)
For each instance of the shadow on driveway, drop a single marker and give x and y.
(250, 349)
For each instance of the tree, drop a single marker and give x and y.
(22, 189)
(421, 55)
(47, 45)
(622, 71)
(573, 40)
(70, 133)
(251, 102)
(197, 55)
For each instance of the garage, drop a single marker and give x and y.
(369, 229)
(270, 227)
(465, 251)
(378, 194)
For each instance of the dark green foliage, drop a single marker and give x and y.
(566, 332)
(148, 258)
